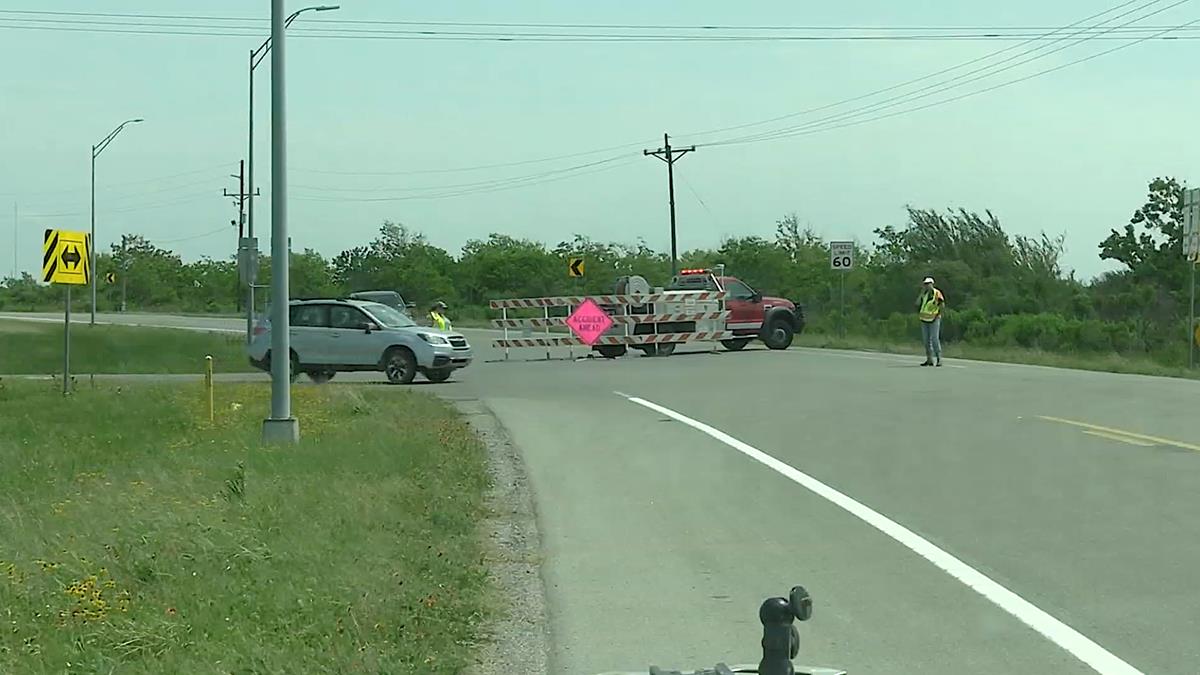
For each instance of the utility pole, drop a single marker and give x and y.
(241, 200)
(670, 156)
(14, 240)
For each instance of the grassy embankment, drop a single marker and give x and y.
(138, 537)
(1112, 363)
(36, 347)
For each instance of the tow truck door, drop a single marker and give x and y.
(745, 311)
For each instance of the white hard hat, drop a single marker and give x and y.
(928, 280)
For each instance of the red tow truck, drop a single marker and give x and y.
(752, 316)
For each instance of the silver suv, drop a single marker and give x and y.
(332, 336)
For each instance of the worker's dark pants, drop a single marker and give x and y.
(931, 334)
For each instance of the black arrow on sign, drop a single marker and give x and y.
(576, 267)
(71, 257)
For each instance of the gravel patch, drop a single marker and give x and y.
(517, 639)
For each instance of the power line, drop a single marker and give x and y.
(528, 181)
(191, 237)
(139, 181)
(806, 132)
(426, 37)
(478, 167)
(486, 183)
(1124, 32)
(143, 27)
(980, 73)
(258, 21)
(906, 83)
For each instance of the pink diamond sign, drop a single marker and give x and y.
(589, 321)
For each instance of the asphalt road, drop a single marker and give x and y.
(981, 518)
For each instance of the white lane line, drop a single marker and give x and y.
(1079, 645)
(1118, 437)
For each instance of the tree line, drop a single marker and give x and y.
(1003, 289)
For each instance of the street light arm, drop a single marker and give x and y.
(99, 147)
(266, 45)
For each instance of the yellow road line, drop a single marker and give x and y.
(1118, 432)
(1121, 438)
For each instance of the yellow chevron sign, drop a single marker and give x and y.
(66, 258)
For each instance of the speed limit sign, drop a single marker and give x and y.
(841, 255)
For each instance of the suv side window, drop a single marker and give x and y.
(738, 290)
(345, 316)
(309, 316)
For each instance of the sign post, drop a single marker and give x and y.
(1191, 251)
(66, 259)
(841, 259)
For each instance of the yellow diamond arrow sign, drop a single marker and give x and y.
(66, 258)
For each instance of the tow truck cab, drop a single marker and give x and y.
(751, 314)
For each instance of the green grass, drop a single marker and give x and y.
(29, 347)
(138, 537)
(1111, 363)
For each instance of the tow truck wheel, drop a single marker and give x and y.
(666, 349)
(735, 345)
(778, 334)
(611, 351)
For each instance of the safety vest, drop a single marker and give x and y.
(439, 321)
(930, 305)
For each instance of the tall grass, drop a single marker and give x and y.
(136, 537)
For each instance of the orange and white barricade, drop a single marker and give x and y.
(663, 312)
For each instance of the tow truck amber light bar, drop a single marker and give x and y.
(695, 271)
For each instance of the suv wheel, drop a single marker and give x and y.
(399, 365)
(293, 367)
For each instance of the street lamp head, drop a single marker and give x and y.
(136, 120)
(315, 8)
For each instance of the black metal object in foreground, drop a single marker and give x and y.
(780, 641)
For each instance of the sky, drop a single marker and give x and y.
(376, 126)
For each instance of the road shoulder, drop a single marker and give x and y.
(517, 639)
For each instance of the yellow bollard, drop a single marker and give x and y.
(208, 384)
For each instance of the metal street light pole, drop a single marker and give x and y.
(96, 150)
(256, 57)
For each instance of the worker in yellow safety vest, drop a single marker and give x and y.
(437, 316)
(930, 304)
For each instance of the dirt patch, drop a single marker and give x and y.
(517, 640)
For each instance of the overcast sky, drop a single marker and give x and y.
(1068, 152)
